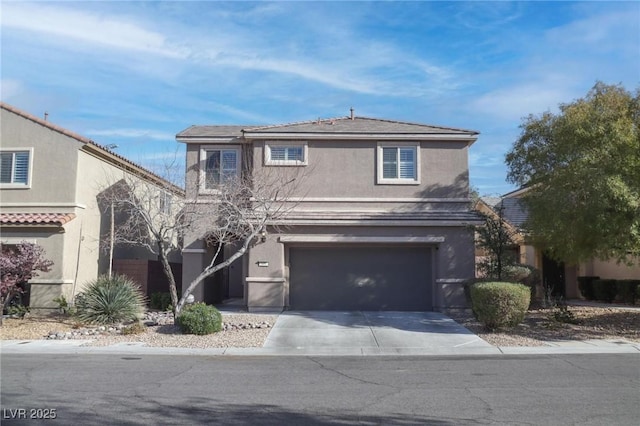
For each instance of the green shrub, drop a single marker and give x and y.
(605, 290)
(627, 290)
(160, 301)
(110, 300)
(523, 274)
(585, 284)
(199, 318)
(499, 304)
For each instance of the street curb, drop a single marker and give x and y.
(134, 348)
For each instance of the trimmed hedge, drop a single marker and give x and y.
(585, 284)
(605, 290)
(200, 319)
(499, 304)
(628, 290)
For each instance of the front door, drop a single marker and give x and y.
(553, 276)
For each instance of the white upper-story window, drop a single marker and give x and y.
(398, 163)
(219, 164)
(15, 168)
(285, 153)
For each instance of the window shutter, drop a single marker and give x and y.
(278, 153)
(212, 172)
(229, 163)
(407, 169)
(21, 174)
(295, 153)
(6, 160)
(292, 154)
(389, 163)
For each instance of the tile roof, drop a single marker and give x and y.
(57, 219)
(514, 211)
(340, 125)
(213, 131)
(359, 125)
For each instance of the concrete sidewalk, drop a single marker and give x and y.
(553, 348)
(345, 334)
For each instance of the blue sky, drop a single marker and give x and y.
(136, 73)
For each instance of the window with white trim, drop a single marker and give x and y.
(15, 168)
(218, 166)
(398, 163)
(285, 153)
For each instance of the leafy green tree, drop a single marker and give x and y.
(582, 170)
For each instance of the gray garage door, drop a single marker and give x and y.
(360, 278)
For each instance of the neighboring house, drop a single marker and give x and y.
(560, 276)
(381, 222)
(50, 192)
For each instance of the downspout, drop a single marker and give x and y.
(75, 278)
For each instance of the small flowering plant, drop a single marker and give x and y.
(18, 264)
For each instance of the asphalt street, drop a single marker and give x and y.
(101, 389)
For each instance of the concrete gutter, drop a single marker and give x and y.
(556, 348)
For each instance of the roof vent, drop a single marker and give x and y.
(352, 117)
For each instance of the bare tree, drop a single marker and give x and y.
(239, 212)
(150, 212)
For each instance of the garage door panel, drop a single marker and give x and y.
(360, 278)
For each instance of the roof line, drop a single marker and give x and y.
(329, 120)
(88, 141)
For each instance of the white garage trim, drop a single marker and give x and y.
(265, 280)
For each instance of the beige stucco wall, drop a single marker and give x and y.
(47, 285)
(65, 178)
(611, 269)
(54, 162)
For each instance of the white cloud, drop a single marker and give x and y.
(132, 133)
(10, 88)
(114, 32)
(518, 101)
(601, 32)
(344, 61)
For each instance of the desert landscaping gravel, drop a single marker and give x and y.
(251, 330)
(245, 330)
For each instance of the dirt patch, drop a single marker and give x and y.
(541, 326)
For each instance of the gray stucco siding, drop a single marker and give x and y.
(349, 169)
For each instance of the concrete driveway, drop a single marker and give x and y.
(338, 332)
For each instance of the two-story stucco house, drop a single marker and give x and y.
(50, 191)
(381, 222)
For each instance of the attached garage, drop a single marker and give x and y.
(365, 278)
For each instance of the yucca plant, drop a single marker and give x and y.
(110, 300)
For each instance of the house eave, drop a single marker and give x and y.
(469, 138)
(210, 140)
